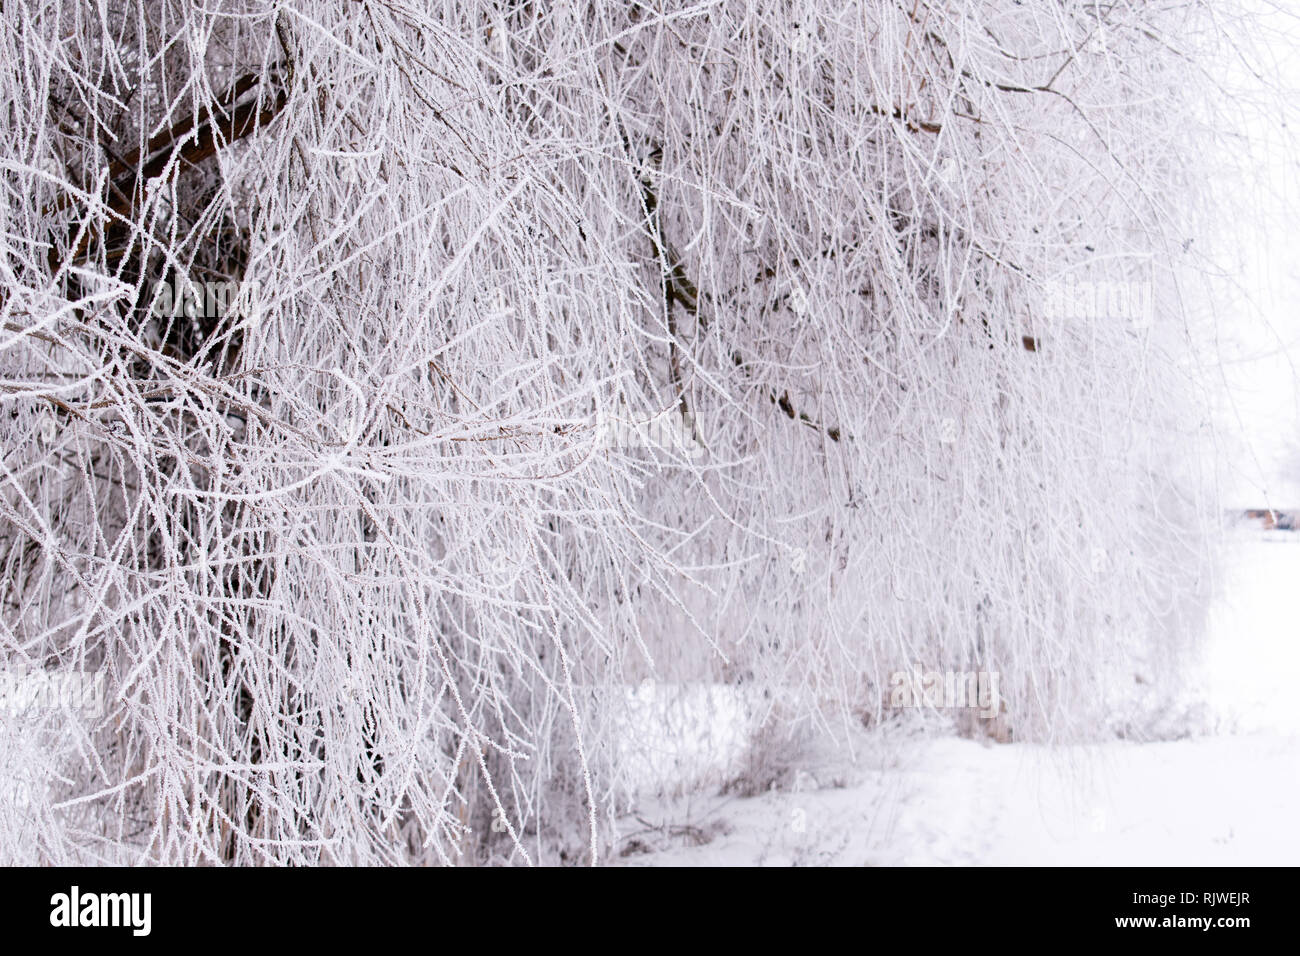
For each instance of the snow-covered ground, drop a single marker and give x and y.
(1221, 799)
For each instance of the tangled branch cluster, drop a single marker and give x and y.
(350, 541)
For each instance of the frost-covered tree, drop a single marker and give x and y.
(386, 385)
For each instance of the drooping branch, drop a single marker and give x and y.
(183, 147)
(679, 289)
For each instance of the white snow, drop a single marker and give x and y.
(1221, 799)
(1252, 662)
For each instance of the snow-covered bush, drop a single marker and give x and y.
(333, 332)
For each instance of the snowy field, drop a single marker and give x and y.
(1223, 797)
